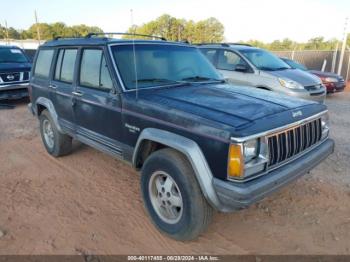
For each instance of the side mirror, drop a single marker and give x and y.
(241, 68)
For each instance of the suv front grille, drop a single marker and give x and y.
(14, 77)
(291, 142)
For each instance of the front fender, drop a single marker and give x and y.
(193, 153)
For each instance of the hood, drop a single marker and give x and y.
(325, 74)
(302, 77)
(230, 105)
(15, 67)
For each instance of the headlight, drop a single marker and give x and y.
(290, 83)
(250, 149)
(246, 159)
(331, 79)
(325, 121)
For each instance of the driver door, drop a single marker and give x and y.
(227, 62)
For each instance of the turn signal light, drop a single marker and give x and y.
(235, 161)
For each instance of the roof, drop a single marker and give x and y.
(235, 46)
(9, 46)
(93, 41)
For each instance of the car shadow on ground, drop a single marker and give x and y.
(11, 104)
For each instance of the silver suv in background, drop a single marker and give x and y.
(245, 65)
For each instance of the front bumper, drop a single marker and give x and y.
(318, 95)
(16, 92)
(235, 196)
(335, 87)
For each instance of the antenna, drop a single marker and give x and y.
(134, 53)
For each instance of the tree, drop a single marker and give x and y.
(49, 31)
(285, 44)
(256, 43)
(174, 29)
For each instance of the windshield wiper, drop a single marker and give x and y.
(201, 78)
(265, 68)
(281, 68)
(19, 62)
(272, 69)
(155, 80)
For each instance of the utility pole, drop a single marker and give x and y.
(334, 59)
(347, 71)
(37, 27)
(343, 46)
(7, 33)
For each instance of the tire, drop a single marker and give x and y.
(56, 143)
(162, 168)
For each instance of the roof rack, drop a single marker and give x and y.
(244, 44)
(224, 44)
(63, 37)
(131, 34)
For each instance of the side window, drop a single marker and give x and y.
(43, 63)
(228, 60)
(65, 65)
(210, 54)
(93, 70)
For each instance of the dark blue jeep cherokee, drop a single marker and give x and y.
(200, 144)
(14, 73)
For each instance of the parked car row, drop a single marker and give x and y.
(200, 143)
(240, 64)
(332, 81)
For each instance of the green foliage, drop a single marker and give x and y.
(209, 30)
(48, 31)
(317, 43)
(174, 29)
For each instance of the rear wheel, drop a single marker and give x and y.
(172, 195)
(56, 143)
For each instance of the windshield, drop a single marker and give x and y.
(264, 60)
(295, 65)
(160, 64)
(12, 55)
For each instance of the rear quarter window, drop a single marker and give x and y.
(43, 63)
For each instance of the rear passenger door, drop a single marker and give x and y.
(98, 106)
(63, 86)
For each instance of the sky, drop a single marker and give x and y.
(264, 20)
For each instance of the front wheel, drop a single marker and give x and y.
(172, 195)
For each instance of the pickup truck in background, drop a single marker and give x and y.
(15, 69)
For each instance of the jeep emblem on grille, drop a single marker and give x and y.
(297, 113)
(10, 77)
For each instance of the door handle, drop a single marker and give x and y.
(53, 86)
(77, 93)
